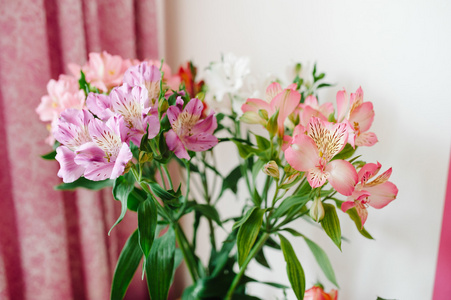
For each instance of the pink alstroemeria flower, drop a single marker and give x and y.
(71, 131)
(360, 116)
(317, 293)
(107, 155)
(377, 193)
(277, 99)
(134, 105)
(189, 131)
(103, 70)
(311, 108)
(312, 153)
(146, 75)
(100, 105)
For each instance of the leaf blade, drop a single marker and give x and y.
(294, 268)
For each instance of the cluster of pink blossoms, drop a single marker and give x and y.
(316, 141)
(95, 134)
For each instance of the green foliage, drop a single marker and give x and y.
(294, 201)
(323, 260)
(136, 197)
(147, 224)
(122, 188)
(127, 264)
(358, 223)
(294, 269)
(331, 224)
(160, 265)
(231, 181)
(84, 183)
(346, 153)
(248, 232)
(50, 155)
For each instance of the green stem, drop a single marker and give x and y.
(186, 251)
(251, 255)
(168, 176)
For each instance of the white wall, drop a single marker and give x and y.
(400, 53)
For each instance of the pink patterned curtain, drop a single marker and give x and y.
(54, 245)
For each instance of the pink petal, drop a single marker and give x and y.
(316, 177)
(200, 142)
(124, 156)
(272, 90)
(309, 112)
(367, 139)
(194, 107)
(303, 154)
(286, 102)
(100, 105)
(173, 114)
(69, 171)
(342, 104)
(382, 194)
(380, 179)
(362, 116)
(311, 101)
(255, 105)
(326, 109)
(207, 125)
(368, 171)
(154, 125)
(176, 145)
(362, 212)
(347, 205)
(342, 176)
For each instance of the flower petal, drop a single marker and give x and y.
(124, 156)
(362, 116)
(302, 155)
(367, 139)
(176, 145)
(69, 171)
(342, 176)
(347, 205)
(382, 194)
(200, 142)
(316, 177)
(368, 171)
(272, 91)
(342, 104)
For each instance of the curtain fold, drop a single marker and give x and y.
(54, 245)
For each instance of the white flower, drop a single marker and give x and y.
(227, 76)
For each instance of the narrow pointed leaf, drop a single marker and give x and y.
(147, 224)
(160, 265)
(331, 224)
(248, 232)
(323, 260)
(358, 223)
(50, 155)
(85, 183)
(122, 188)
(288, 203)
(294, 269)
(127, 264)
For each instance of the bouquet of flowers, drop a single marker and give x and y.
(120, 123)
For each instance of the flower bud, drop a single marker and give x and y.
(263, 113)
(317, 210)
(145, 156)
(271, 169)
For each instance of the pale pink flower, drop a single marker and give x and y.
(100, 105)
(71, 130)
(285, 101)
(360, 116)
(317, 293)
(108, 153)
(63, 93)
(103, 70)
(189, 131)
(311, 108)
(313, 153)
(377, 193)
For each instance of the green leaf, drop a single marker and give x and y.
(209, 212)
(261, 259)
(127, 264)
(85, 183)
(147, 224)
(358, 223)
(169, 197)
(248, 232)
(294, 269)
(323, 260)
(289, 202)
(262, 142)
(346, 153)
(244, 218)
(160, 265)
(245, 151)
(331, 224)
(123, 186)
(50, 155)
(231, 181)
(379, 298)
(135, 198)
(323, 85)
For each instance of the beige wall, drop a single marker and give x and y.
(400, 53)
